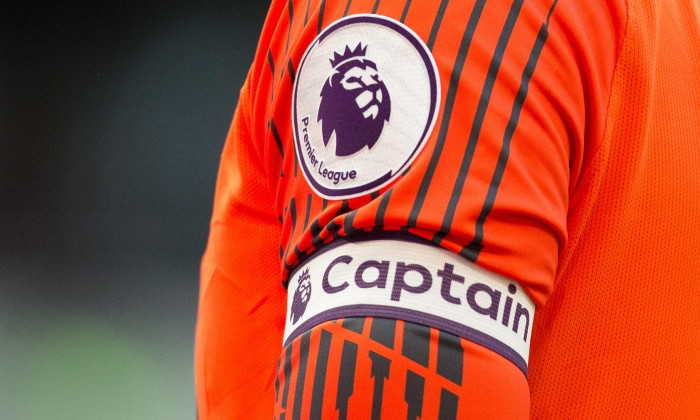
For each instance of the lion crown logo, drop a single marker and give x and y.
(301, 296)
(355, 103)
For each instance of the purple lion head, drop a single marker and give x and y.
(301, 296)
(355, 103)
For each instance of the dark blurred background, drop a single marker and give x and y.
(113, 115)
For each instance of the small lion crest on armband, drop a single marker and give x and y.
(302, 294)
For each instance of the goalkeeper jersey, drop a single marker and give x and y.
(542, 154)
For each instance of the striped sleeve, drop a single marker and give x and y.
(464, 124)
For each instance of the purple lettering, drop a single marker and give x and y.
(327, 287)
(491, 311)
(335, 176)
(519, 313)
(310, 152)
(509, 304)
(400, 282)
(380, 282)
(448, 276)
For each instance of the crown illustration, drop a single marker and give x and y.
(358, 51)
(304, 275)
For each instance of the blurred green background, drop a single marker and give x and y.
(112, 119)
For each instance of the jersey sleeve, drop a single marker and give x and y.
(523, 91)
(523, 133)
(241, 305)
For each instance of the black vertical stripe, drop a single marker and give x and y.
(333, 229)
(376, 6)
(549, 15)
(437, 23)
(347, 8)
(415, 388)
(277, 380)
(450, 356)
(271, 61)
(320, 375)
(293, 216)
(276, 136)
(405, 11)
(383, 331)
(290, 69)
(316, 232)
(308, 211)
(320, 16)
(472, 250)
(348, 224)
(296, 162)
(416, 343)
(287, 374)
(346, 380)
(447, 110)
(290, 6)
(306, 17)
(381, 367)
(479, 116)
(301, 374)
(354, 324)
(297, 251)
(381, 210)
(292, 78)
(449, 403)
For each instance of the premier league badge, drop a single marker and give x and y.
(366, 98)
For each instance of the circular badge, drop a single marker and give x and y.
(366, 98)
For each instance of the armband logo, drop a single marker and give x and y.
(302, 294)
(366, 98)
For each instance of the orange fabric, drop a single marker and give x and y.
(594, 211)
(230, 310)
(623, 317)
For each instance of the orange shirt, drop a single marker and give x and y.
(564, 156)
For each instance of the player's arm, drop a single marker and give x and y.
(241, 304)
